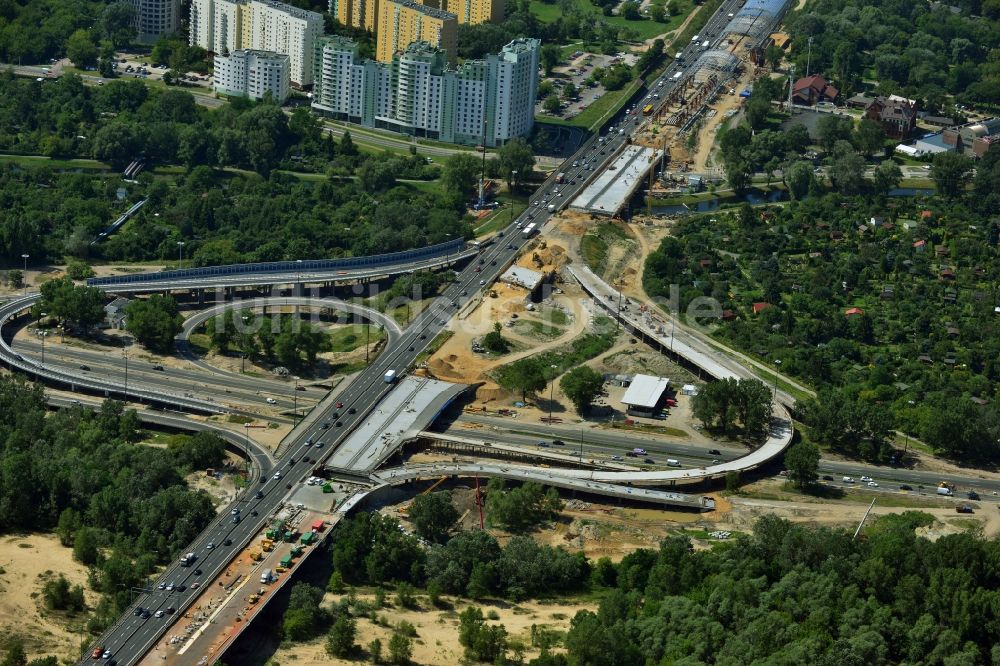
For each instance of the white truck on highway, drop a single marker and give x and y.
(188, 559)
(390, 377)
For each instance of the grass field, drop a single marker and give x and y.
(644, 29)
(55, 163)
(349, 338)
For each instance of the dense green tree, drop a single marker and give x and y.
(550, 56)
(400, 649)
(59, 594)
(79, 305)
(81, 50)
(494, 342)
(199, 451)
(582, 385)
(434, 515)
(482, 642)
(340, 639)
(154, 321)
(520, 508)
(524, 378)
(798, 177)
(802, 463)
(116, 23)
(870, 138)
(888, 175)
(460, 175)
(552, 104)
(949, 172)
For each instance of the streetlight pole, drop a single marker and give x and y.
(298, 277)
(513, 177)
(295, 398)
(246, 432)
(774, 394)
(125, 354)
(24, 274)
(42, 315)
(180, 254)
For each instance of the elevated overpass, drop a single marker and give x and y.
(300, 272)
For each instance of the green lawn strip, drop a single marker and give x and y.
(55, 163)
(500, 217)
(199, 343)
(432, 348)
(660, 430)
(531, 328)
(608, 105)
(348, 338)
(347, 368)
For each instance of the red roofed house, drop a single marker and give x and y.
(926, 214)
(811, 89)
(897, 116)
(760, 307)
(852, 312)
(920, 245)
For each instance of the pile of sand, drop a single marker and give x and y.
(492, 392)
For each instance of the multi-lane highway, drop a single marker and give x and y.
(134, 635)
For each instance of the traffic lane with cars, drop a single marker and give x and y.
(427, 325)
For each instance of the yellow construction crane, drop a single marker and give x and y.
(405, 510)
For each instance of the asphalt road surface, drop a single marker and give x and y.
(133, 636)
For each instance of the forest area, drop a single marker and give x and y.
(921, 50)
(124, 508)
(885, 306)
(781, 594)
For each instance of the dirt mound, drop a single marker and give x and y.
(439, 366)
(491, 392)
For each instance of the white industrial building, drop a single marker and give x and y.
(644, 395)
(253, 74)
(224, 26)
(418, 94)
(155, 18)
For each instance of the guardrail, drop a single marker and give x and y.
(10, 311)
(441, 249)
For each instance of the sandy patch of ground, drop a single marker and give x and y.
(437, 630)
(28, 561)
(456, 361)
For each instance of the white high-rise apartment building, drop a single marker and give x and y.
(417, 94)
(156, 18)
(275, 26)
(253, 74)
(224, 26)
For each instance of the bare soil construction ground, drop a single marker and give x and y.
(27, 562)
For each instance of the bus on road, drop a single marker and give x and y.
(648, 109)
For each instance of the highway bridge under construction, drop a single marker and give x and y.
(301, 487)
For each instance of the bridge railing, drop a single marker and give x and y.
(439, 250)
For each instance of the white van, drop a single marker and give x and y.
(695, 38)
(673, 463)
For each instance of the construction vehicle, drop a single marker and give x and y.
(308, 538)
(252, 599)
(286, 561)
(297, 551)
(288, 537)
(256, 556)
(280, 570)
(267, 545)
